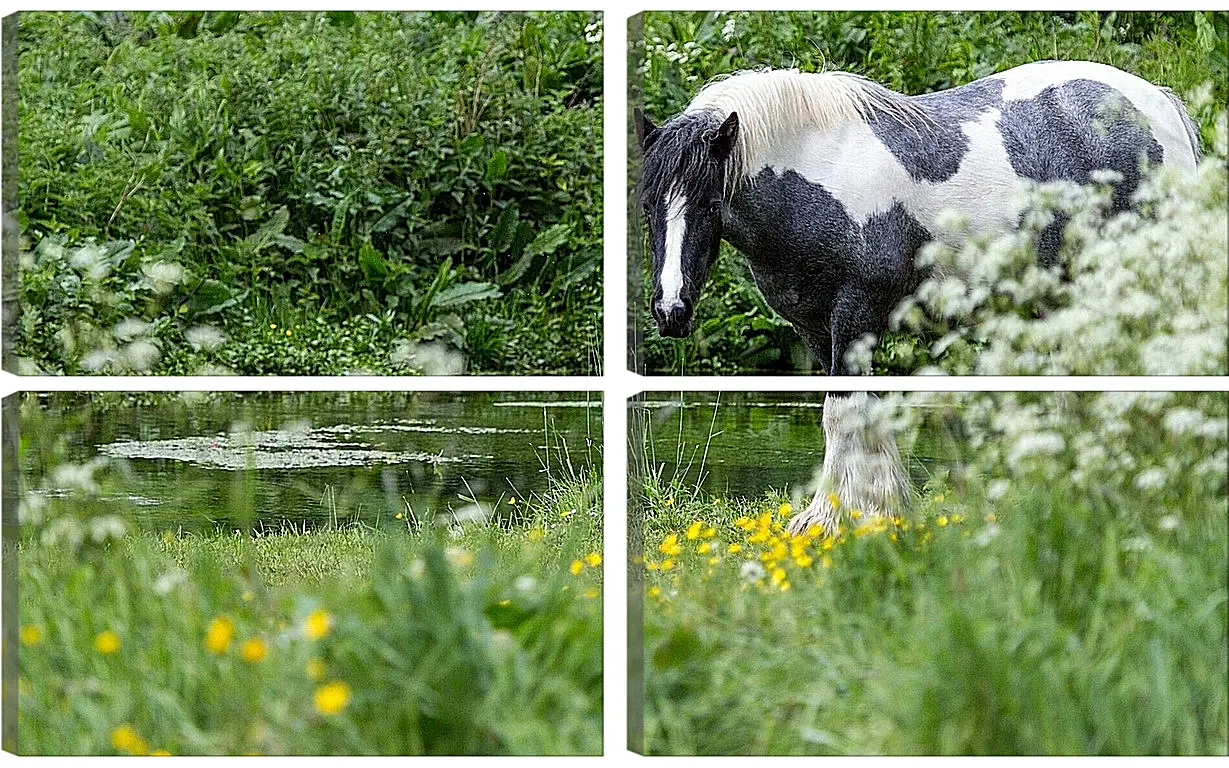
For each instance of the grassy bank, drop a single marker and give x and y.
(481, 640)
(1040, 602)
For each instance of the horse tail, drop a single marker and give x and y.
(1192, 133)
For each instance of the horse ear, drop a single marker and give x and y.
(722, 144)
(646, 132)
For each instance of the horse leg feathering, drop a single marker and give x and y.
(862, 467)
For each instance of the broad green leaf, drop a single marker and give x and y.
(372, 263)
(497, 166)
(505, 229)
(392, 216)
(270, 229)
(463, 293)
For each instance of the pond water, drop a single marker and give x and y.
(271, 460)
(742, 444)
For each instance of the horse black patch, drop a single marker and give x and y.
(803, 247)
(799, 241)
(888, 237)
(932, 148)
(1070, 130)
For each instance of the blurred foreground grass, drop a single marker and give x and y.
(1043, 604)
(474, 640)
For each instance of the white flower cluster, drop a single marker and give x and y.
(1160, 448)
(1141, 292)
(71, 486)
(657, 54)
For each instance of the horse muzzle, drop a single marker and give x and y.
(674, 321)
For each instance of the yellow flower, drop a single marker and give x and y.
(785, 509)
(693, 530)
(126, 739)
(399, 515)
(567, 513)
(535, 534)
(332, 697)
(593, 559)
(704, 548)
(287, 331)
(941, 521)
(248, 596)
(654, 591)
(671, 546)
(577, 567)
(939, 497)
(163, 752)
(314, 668)
(107, 642)
(318, 624)
(667, 564)
(272, 325)
(714, 560)
(254, 650)
(31, 635)
(734, 549)
(958, 518)
(653, 565)
(834, 500)
(855, 513)
(221, 631)
(804, 560)
(512, 500)
(709, 532)
(745, 523)
(459, 557)
(590, 593)
(991, 517)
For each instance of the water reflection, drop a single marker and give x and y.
(303, 459)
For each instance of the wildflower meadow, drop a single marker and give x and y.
(1057, 585)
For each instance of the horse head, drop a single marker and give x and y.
(682, 193)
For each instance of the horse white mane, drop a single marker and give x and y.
(778, 102)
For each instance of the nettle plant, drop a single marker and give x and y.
(1139, 292)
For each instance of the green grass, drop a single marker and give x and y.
(484, 640)
(1043, 604)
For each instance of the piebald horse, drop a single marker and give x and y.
(829, 184)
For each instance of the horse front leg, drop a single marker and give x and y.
(862, 467)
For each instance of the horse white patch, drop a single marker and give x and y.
(857, 169)
(676, 233)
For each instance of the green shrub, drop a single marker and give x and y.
(438, 167)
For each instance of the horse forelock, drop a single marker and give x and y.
(679, 157)
(777, 102)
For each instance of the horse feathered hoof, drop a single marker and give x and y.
(820, 515)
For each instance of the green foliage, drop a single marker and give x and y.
(912, 52)
(434, 168)
(483, 641)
